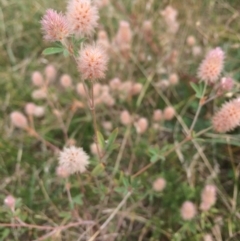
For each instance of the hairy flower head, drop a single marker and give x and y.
(54, 26)
(50, 72)
(157, 115)
(141, 125)
(39, 111)
(30, 108)
(173, 79)
(168, 113)
(228, 117)
(82, 16)
(92, 62)
(211, 67)
(124, 36)
(73, 159)
(188, 210)
(19, 120)
(10, 201)
(66, 81)
(37, 79)
(170, 17)
(39, 94)
(208, 197)
(125, 118)
(159, 184)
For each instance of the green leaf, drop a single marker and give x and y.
(111, 140)
(154, 158)
(66, 215)
(125, 181)
(5, 233)
(65, 53)
(101, 140)
(78, 199)
(120, 189)
(78, 41)
(195, 88)
(52, 50)
(198, 89)
(153, 151)
(98, 170)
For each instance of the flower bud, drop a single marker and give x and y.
(19, 120)
(10, 201)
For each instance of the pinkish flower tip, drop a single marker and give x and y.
(92, 62)
(54, 26)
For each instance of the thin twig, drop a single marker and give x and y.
(25, 225)
(104, 225)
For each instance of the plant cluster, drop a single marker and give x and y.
(124, 143)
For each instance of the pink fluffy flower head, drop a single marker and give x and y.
(61, 172)
(173, 79)
(170, 16)
(115, 84)
(159, 184)
(30, 109)
(50, 72)
(37, 79)
(212, 66)
(157, 115)
(209, 197)
(39, 111)
(125, 118)
(228, 117)
(124, 35)
(82, 16)
(19, 120)
(168, 113)
(66, 81)
(39, 94)
(92, 62)
(226, 84)
(208, 237)
(73, 160)
(10, 202)
(188, 210)
(54, 26)
(136, 88)
(191, 41)
(103, 39)
(141, 125)
(147, 27)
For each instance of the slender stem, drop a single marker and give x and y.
(47, 227)
(210, 99)
(104, 225)
(200, 104)
(120, 154)
(92, 107)
(67, 186)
